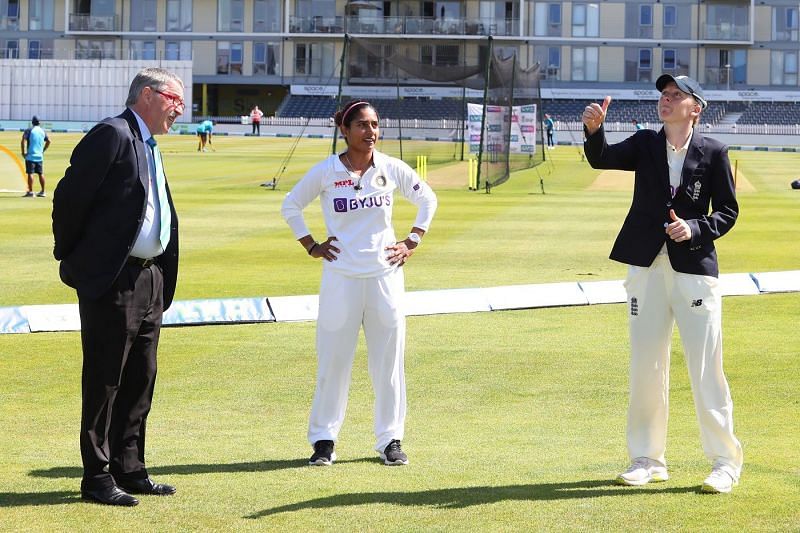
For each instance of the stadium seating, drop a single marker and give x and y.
(408, 108)
(561, 110)
(623, 111)
(786, 113)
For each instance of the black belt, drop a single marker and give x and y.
(144, 263)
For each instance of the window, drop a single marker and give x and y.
(645, 67)
(229, 57)
(40, 15)
(554, 58)
(645, 15)
(10, 49)
(40, 49)
(237, 58)
(178, 50)
(9, 15)
(315, 60)
(34, 51)
(230, 15)
(584, 64)
(670, 16)
(442, 54)
(300, 59)
(94, 49)
(739, 66)
(267, 16)
(638, 20)
(265, 58)
(669, 59)
(143, 15)
(784, 67)
(547, 20)
(549, 57)
(727, 22)
(585, 20)
(143, 50)
(554, 14)
(446, 55)
(784, 24)
(179, 15)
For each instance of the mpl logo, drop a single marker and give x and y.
(342, 183)
(343, 205)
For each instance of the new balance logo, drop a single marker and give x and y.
(697, 303)
(634, 307)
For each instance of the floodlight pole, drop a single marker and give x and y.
(339, 96)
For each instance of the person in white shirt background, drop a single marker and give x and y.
(362, 279)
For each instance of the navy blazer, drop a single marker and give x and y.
(706, 180)
(99, 207)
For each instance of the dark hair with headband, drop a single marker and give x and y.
(345, 115)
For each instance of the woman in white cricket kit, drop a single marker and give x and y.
(684, 199)
(362, 279)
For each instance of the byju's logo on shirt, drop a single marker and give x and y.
(343, 205)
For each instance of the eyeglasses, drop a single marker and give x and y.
(176, 101)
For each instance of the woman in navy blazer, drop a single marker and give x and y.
(683, 200)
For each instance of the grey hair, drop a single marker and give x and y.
(154, 77)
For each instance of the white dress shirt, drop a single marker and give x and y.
(148, 243)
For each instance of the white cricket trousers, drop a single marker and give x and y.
(657, 298)
(345, 304)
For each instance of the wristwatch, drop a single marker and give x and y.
(415, 238)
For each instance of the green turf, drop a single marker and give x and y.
(516, 419)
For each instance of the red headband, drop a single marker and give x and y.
(350, 108)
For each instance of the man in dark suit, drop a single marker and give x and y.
(116, 235)
(667, 240)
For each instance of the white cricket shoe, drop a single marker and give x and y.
(642, 471)
(718, 482)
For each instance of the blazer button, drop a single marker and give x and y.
(669, 204)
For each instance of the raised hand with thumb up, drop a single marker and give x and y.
(678, 230)
(594, 114)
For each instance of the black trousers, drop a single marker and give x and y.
(119, 334)
(256, 128)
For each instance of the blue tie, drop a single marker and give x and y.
(163, 202)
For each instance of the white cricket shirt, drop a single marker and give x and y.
(361, 220)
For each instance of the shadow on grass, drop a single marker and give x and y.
(24, 499)
(255, 466)
(468, 496)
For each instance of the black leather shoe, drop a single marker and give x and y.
(112, 495)
(146, 486)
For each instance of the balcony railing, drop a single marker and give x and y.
(82, 22)
(316, 24)
(726, 32)
(403, 26)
